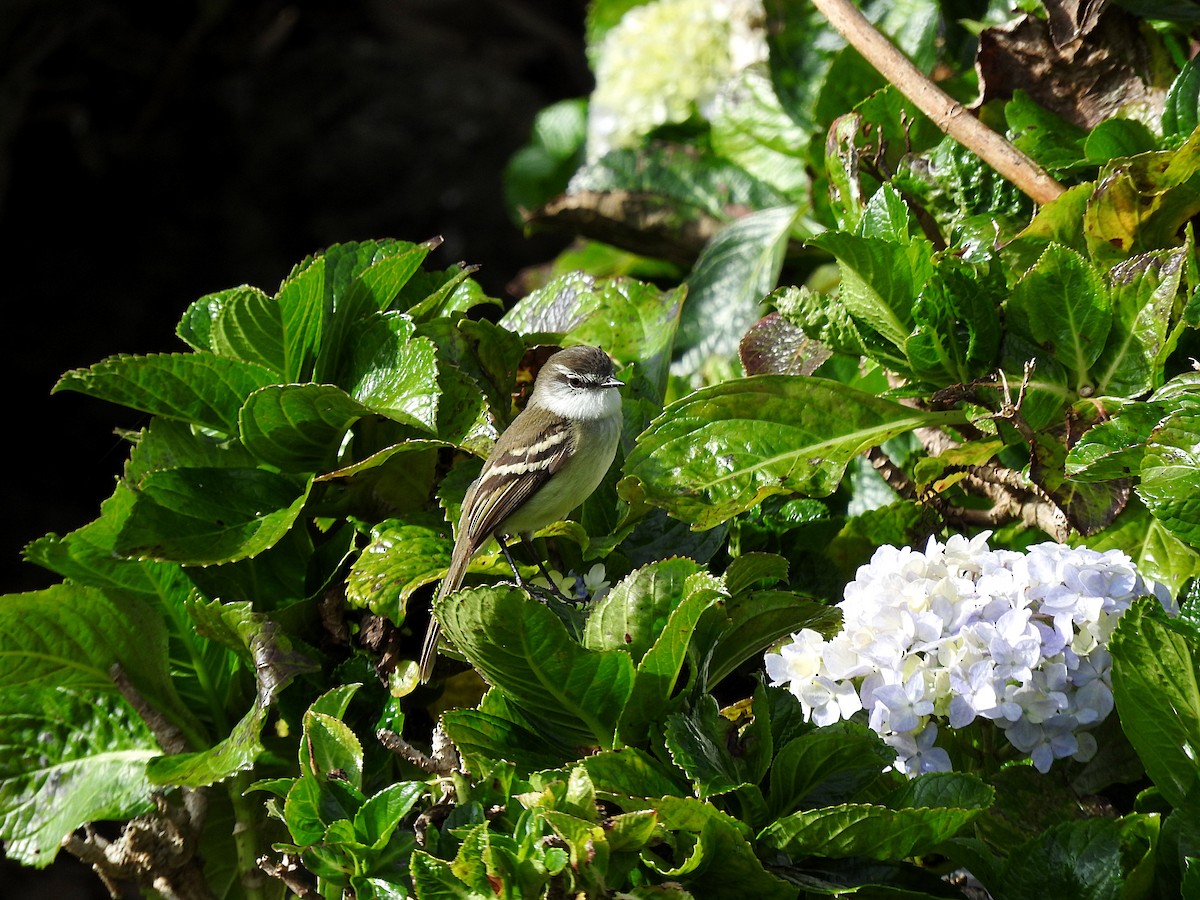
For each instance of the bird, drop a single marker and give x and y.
(547, 462)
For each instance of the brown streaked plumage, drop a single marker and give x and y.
(546, 463)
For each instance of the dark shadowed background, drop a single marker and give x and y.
(152, 153)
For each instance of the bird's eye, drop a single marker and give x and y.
(574, 380)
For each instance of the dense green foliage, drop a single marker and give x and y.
(227, 665)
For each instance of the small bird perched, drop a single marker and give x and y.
(546, 463)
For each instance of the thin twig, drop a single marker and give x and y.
(896, 479)
(288, 870)
(168, 735)
(947, 113)
(405, 750)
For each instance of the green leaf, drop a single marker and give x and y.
(1114, 138)
(170, 444)
(201, 516)
(1156, 685)
(394, 373)
(264, 650)
(824, 318)
(631, 830)
(1114, 449)
(200, 388)
(749, 623)
(293, 569)
(721, 450)
(489, 354)
(886, 216)
(1170, 473)
(433, 877)
(880, 279)
(878, 832)
(1046, 391)
(304, 307)
(313, 805)
(523, 649)
(361, 279)
(195, 327)
(399, 560)
(330, 750)
(708, 748)
(255, 638)
(87, 556)
(956, 333)
(800, 57)
(249, 327)
(335, 701)
(236, 753)
(736, 270)
(748, 126)
(1076, 859)
(69, 757)
(377, 819)
(447, 294)
(70, 636)
(635, 611)
(720, 861)
(1062, 305)
(825, 767)
(754, 570)
(694, 182)
(631, 773)
(482, 738)
(658, 671)
(298, 427)
(1047, 138)
(542, 168)
(1181, 109)
(1146, 307)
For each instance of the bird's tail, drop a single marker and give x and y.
(450, 584)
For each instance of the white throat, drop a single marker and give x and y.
(586, 403)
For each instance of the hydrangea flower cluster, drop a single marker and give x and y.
(665, 61)
(961, 632)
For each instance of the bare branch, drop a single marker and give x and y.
(157, 850)
(891, 473)
(405, 750)
(288, 870)
(947, 113)
(169, 737)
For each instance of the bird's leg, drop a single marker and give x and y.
(532, 589)
(527, 542)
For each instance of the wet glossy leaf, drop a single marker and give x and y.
(206, 516)
(1156, 684)
(726, 288)
(524, 650)
(1062, 305)
(298, 427)
(68, 758)
(719, 451)
(399, 560)
(394, 373)
(200, 388)
(912, 826)
(1168, 485)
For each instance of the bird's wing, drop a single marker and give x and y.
(513, 474)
